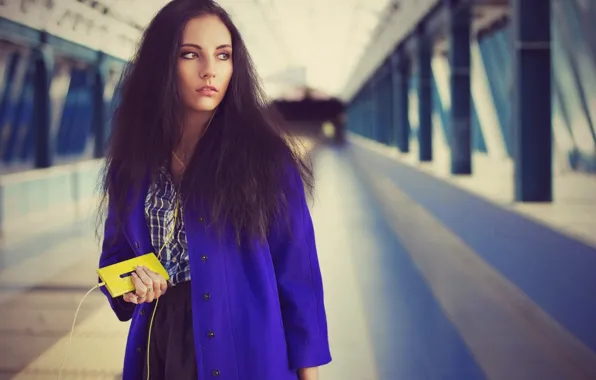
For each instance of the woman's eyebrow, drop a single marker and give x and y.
(200, 48)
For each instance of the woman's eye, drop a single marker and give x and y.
(189, 55)
(223, 56)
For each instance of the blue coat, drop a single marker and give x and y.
(266, 306)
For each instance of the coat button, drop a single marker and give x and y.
(137, 245)
(139, 349)
(142, 312)
(215, 373)
(211, 334)
(201, 219)
(206, 296)
(204, 258)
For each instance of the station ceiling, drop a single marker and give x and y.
(295, 44)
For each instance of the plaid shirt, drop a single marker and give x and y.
(159, 212)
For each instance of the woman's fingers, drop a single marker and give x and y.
(143, 285)
(159, 283)
(140, 288)
(149, 285)
(130, 297)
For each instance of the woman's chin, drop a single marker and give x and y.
(205, 104)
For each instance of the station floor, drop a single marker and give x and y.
(426, 278)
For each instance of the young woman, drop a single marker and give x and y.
(197, 174)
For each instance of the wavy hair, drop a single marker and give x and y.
(240, 165)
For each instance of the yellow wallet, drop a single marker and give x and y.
(117, 277)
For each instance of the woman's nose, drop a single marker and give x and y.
(207, 75)
(207, 71)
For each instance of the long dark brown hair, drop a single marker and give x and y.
(239, 165)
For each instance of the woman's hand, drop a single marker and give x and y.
(149, 286)
(311, 373)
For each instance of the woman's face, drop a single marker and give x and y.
(205, 63)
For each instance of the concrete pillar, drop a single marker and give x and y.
(424, 95)
(44, 144)
(400, 67)
(532, 124)
(459, 60)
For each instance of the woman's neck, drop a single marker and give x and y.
(192, 131)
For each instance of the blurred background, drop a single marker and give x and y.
(454, 148)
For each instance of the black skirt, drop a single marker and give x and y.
(172, 350)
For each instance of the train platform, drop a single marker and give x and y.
(426, 277)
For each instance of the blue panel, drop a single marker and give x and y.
(376, 107)
(25, 113)
(84, 128)
(502, 78)
(79, 131)
(385, 88)
(562, 85)
(478, 142)
(369, 121)
(573, 21)
(585, 87)
(357, 114)
(364, 126)
(437, 106)
(354, 121)
(72, 133)
(502, 45)
(75, 124)
(586, 11)
(70, 122)
(20, 119)
(7, 106)
(498, 73)
(575, 82)
(26, 144)
(401, 92)
(504, 40)
(68, 114)
(6, 62)
(556, 86)
(484, 45)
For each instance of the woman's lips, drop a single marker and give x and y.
(207, 91)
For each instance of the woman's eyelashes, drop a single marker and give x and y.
(222, 56)
(188, 55)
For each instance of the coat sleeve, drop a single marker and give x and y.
(115, 248)
(293, 249)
